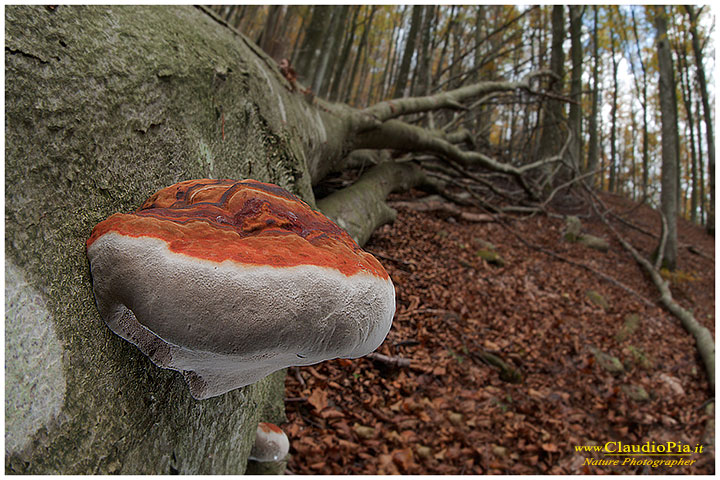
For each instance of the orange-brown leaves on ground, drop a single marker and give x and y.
(318, 399)
(451, 412)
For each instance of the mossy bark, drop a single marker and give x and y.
(104, 106)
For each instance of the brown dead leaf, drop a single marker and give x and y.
(318, 399)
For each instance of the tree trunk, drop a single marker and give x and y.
(576, 54)
(390, 62)
(709, 137)
(402, 77)
(331, 50)
(592, 161)
(340, 72)
(686, 90)
(668, 109)
(79, 399)
(701, 168)
(310, 49)
(612, 185)
(360, 51)
(422, 71)
(644, 102)
(550, 141)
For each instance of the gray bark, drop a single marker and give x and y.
(340, 72)
(668, 111)
(360, 51)
(612, 184)
(686, 91)
(361, 208)
(553, 114)
(592, 127)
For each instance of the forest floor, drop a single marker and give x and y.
(589, 373)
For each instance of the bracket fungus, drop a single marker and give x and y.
(271, 443)
(228, 281)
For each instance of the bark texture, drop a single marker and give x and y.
(668, 111)
(105, 106)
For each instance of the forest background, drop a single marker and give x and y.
(607, 64)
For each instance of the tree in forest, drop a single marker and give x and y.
(592, 161)
(687, 99)
(614, 59)
(402, 77)
(311, 48)
(707, 115)
(554, 117)
(670, 142)
(575, 115)
(645, 107)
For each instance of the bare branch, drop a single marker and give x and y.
(390, 109)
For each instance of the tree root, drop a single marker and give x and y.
(703, 338)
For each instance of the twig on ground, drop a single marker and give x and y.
(396, 362)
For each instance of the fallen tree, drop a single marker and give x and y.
(107, 105)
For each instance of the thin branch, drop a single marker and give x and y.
(390, 109)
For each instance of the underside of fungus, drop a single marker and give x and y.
(228, 281)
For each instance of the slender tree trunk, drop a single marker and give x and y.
(593, 121)
(422, 70)
(576, 54)
(644, 102)
(477, 119)
(295, 52)
(312, 44)
(388, 70)
(707, 116)
(340, 72)
(360, 51)
(701, 166)
(668, 109)
(402, 79)
(631, 140)
(550, 141)
(612, 185)
(686, 90)
(331, 50)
